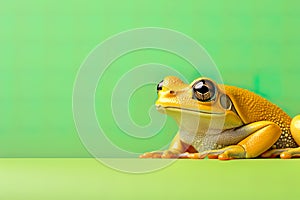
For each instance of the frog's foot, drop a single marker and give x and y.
(161, 154)
(227, 153)
(283, 153)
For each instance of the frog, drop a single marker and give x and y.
(224, 122)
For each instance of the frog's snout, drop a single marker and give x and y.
(168, 93)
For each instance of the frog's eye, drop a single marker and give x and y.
(159, 85)
(204, 90)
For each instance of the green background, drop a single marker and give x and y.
(255, 44)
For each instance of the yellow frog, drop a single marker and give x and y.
(224, 122)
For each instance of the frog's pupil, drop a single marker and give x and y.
(203, 89)
(159, 85)
(200, 87)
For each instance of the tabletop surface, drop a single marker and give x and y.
(85, 178)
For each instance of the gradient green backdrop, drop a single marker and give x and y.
(255, 44)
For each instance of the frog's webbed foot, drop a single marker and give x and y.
(283, 153)
(227, 153)
(161, 154)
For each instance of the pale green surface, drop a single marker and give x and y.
(185, 179)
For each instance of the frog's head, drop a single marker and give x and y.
(202, 100)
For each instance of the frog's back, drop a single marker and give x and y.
(252, 107)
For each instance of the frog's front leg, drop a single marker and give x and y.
(263, 135)
(177, 147)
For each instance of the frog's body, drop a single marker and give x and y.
(259, 109)
(224, 122)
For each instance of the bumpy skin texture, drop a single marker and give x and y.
(252, 108)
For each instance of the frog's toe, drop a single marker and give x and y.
(273, 153)
(225, 156)
(212, 156)
(161, 154)
(228, 153)
(286, 153)
(170, 154)
(291, 153)
(154, 154)
(187, 155)
(221, 154)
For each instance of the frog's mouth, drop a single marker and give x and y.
(162, 108)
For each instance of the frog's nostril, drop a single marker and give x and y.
(159, 85)
(172, 92)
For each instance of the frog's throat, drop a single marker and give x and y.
(190, 110)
